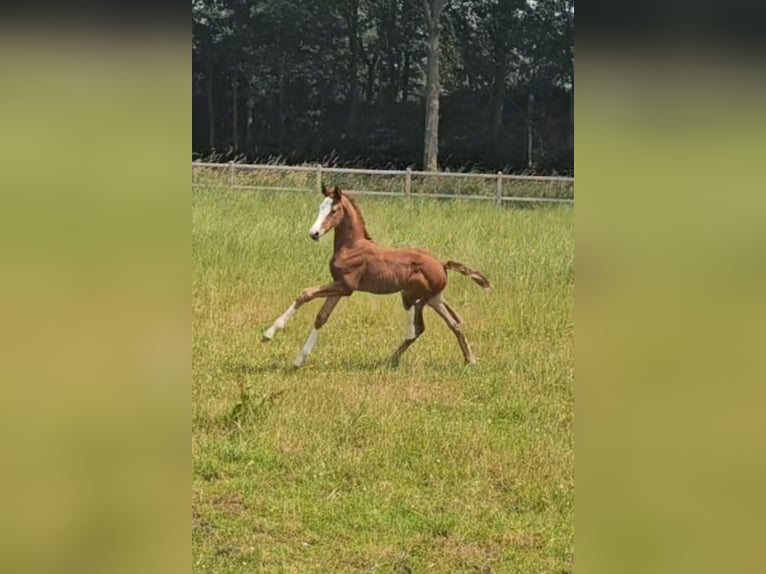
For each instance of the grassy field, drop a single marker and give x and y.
(347, 465)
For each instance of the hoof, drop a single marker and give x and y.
(268, 334)
(298, 362)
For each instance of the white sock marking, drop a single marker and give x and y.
(280, 322)
(307, 348)
(411, 323)
(285, 317)
(311, 341)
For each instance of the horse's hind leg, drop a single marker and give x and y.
(321, 319)
(454, 323)
(452, 312)
(415, 328)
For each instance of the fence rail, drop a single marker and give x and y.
(537, 189)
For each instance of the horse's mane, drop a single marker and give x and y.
(359, 214)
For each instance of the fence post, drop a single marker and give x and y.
(319, 178)
(408, 182)
(231, 174)
(499, 187)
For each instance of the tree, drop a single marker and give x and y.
(207, 32)
(351, 15)
(307, 81)
(433, 13)
(550, 59)
(503, 28)
(488, 38)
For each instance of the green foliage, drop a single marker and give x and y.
(346, 77)
(347, 465)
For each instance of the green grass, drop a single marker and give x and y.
(346, 465)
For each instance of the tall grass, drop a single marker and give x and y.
(347, 465)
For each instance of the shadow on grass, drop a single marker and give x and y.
(354, 364)
(347, 364)
(243, 369)
(406, 368)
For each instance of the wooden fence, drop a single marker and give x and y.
(497, 187)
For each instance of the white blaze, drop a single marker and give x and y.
(324, 210)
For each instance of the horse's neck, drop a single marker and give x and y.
(350, 230)
(346, 235)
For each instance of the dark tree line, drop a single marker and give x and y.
(484, 84)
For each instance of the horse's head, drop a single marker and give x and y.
(331, 212)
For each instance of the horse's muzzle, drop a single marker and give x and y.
(314, 235)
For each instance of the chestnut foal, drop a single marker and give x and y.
(359, 264)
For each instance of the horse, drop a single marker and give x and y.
(360, 264)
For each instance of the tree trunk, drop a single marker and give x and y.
(393, 81)
(209, 89)
(353, 65)
(498, 100)
(570, 127)
(353, 113)
(372, 64)
(281, 113)
(433, 11)
(530, 111)
(431, 142)
(405, 82)
(234, 127)
(249, 128)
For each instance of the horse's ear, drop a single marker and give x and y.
(336, 193)
(324, 190)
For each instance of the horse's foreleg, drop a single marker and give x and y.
(280, 323)
(330, 289)
(321, 319)
(416, 326)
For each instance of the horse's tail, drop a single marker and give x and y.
(472, 273)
